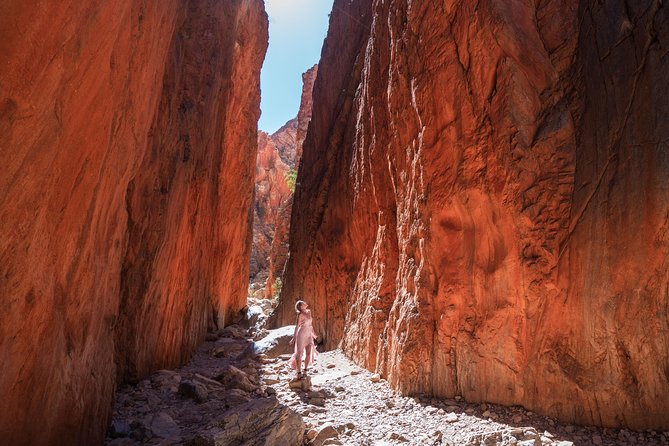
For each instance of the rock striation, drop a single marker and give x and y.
(482, 206)
(272, 192)
(128, 136)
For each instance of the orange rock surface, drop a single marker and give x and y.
(278, 155)
(482, 208)
(128, 137)
(271, 193)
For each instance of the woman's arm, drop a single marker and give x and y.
(313, 323)
(297, 324)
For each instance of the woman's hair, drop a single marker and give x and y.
(298, 306)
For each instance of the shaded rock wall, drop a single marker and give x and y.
(127, 132)
(482, 206)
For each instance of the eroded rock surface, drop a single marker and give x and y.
(233, 405)
(128, 137)
(272, 193)
(277, 163)
(482, 208)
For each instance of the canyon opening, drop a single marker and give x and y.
(473, 200)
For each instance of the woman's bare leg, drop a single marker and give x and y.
(307, 360)
(298, 362)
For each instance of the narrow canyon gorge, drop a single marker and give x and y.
(277, 162)
(483, 204)
(473, 198)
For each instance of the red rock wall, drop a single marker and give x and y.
(127, 132)
(271, 193)
(482, 206)
(304, 113)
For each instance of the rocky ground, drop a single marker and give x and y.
(239, 392)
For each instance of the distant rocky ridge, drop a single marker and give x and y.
(278, 159)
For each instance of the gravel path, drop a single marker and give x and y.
(226, 396)
(365, 411)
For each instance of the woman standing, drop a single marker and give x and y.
(303, 338)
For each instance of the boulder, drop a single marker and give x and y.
(233, 378)
(260, 422)
(277, 342)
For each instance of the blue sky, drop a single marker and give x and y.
(296, 32)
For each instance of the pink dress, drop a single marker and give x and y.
(304, 341)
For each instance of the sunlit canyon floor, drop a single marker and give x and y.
(228, 395)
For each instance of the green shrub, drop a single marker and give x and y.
(291, 179)
(276, 288)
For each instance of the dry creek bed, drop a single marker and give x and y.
(227, 395)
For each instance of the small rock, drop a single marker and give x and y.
(234, 378)
(303, 384)
(270, 391)
(339, 389)
(517, 418)
(596, 439)
(311, 434)
(325, 432)
(451, 418)
(193, 390)
(330, 366)
(355, 372)
(163, 426)
(397, 437)
(270, 381)
(119, 428)
(375, 378)
(317, 401)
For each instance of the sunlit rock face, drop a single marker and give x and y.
(278, 159)
(271, 193)
(483, 206)
(128, 138)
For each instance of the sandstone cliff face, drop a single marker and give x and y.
(278, 157)
(271, 193)
(305, 111)
(482, 207)
(127, 132)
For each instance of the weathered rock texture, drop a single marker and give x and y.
(483, 205)
(127, 133)
(305, 111)
(278, 155)
(271, 193)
